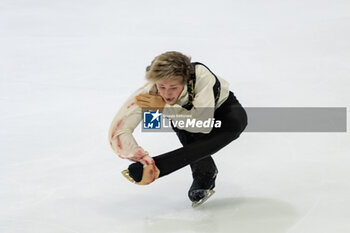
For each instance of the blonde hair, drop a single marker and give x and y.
(168, 65)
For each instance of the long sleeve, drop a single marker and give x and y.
(120, 135)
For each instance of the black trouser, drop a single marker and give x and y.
(198, 147)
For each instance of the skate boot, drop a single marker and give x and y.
(141, 175)
(202, 188)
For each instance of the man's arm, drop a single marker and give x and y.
(120, 135)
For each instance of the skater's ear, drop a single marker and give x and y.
(152, 93)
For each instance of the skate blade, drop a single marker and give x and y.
(201, 201)
(126, 174)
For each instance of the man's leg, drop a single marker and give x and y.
(204, 171)
(205, 166)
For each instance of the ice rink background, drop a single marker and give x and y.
(67, 66)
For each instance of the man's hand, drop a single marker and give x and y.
(150, 101)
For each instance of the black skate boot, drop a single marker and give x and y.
(202, 188)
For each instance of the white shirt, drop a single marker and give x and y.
(129, 115)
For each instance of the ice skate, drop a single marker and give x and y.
(202, 189)
(140, 175)
(206, 194)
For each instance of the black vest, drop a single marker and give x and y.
(191, 87)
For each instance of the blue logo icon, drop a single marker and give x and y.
(152, 120)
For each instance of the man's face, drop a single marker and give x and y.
(170, 89)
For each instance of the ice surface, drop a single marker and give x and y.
(66, 67)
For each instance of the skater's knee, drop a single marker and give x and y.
(236, 131)
(239, 125)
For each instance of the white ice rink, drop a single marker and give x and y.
(67, 66)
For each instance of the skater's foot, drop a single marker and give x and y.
(207, 194)
(135, 171)
(201, 187)
(141, 175)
